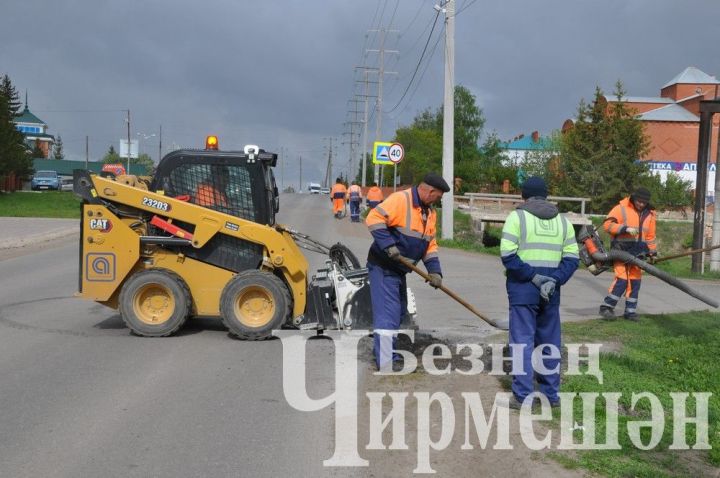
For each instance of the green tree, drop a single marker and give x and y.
(13, 98)
(111, 157)
(469, 123)
(145, 161)
(599, 156)
(423, 140)
(492, 168)
(37, 152)
(13, 153)
(672, 194)
(58, 149)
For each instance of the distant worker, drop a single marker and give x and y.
(212, 191)
(631, 225)
(374, 196)
(402, 226)
(540, 254)
(355, 198)
(338, 196)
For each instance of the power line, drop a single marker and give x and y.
(417, 67)
(465, 7)
(422, 75)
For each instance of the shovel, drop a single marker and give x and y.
(452, 294)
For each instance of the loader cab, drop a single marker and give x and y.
(239, 183)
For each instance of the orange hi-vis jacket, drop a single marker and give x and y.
(375, 194)
(355, 193)
(403, 221)
(207, 195)
(338, 195)
(621, 217)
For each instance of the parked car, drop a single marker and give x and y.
(324, 190)
(45, 180)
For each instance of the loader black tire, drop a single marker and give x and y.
(155, 303)
(253, 303)
(343, 256)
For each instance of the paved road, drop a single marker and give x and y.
(80, 396)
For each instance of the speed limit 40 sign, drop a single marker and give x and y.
(396, 152)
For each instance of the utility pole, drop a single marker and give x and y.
(128, 148)
(300, 187)
(715, 254)
(366, 96)
(328, 169)
(87, 151)
(160, 146)
(449, 121)
(282, 169)
(378, 102)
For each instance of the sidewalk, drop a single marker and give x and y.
(16, 232)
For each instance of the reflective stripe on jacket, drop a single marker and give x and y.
(355, 193)
(531, 245)
(625, 215)
(402, 221)
(338, 191)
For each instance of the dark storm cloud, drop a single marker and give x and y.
(280, 73)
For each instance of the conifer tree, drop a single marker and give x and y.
(600, 155)
(58, 149)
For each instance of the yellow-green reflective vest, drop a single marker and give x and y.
(538, 242)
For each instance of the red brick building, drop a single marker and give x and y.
(672, 121)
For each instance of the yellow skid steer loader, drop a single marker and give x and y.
(199, 239)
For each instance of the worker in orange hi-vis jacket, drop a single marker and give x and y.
(338, 196)
(631, 225)
(374, 196)
(355, 198)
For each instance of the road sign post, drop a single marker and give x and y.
(396, 153)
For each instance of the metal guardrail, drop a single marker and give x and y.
(516, 198)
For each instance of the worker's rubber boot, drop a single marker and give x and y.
(607, 313)
(631, 316)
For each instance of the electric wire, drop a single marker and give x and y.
(418, 65)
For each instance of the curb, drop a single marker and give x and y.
(19, 242)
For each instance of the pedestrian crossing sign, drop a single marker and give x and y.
(381, 152)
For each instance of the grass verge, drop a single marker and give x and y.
(465, 238)
(660, 354)
(60, 204)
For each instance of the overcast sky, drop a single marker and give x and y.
(280, 73)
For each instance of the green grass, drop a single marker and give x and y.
(660, 354)
(464, 236)
(61, 204)
(673, 237)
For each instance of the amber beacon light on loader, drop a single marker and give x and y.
(199, 239)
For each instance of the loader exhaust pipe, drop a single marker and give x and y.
(590, 241)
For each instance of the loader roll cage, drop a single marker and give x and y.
(234, 183)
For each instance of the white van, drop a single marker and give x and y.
(313, 188)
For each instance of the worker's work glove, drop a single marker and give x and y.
(538, 280)
(652, 257)
(435, 280)
(393, 253)
(547, 290)
(633, 231)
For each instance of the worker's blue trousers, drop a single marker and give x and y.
(388, 292)
(535, 325)
(619, 289)
(372, 204)
(354, 211)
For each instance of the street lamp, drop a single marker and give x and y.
(145, 136)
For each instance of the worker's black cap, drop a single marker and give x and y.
(534, 187)
(641, 194)
(436, 181)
